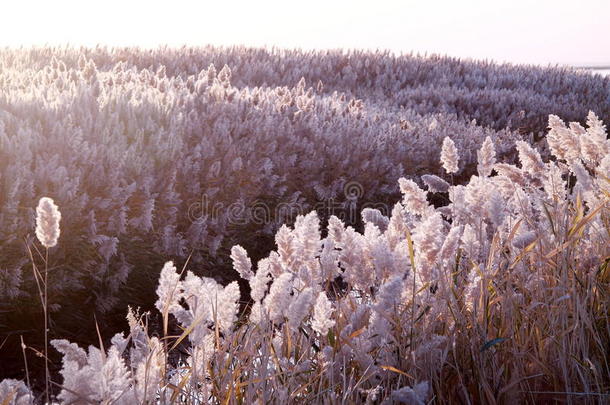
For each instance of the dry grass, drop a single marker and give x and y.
(515, 324)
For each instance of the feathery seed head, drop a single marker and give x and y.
(435, 184)
(241, 262)
(47, 222)
(414, 198)
(449, 156)
(322, 315)
(486, 157)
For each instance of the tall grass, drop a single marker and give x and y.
(500, 296)
(134, 142)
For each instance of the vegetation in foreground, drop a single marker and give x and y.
(500, 296)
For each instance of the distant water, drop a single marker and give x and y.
(605, 71)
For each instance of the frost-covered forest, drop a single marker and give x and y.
(286, 226)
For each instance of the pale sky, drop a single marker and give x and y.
(518, 31)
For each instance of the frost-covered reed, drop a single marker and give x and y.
(47, 222)
(150, 154)
(47, 232)
(500, 296)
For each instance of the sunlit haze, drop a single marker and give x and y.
(519, 31)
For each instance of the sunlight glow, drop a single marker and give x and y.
(517, 31)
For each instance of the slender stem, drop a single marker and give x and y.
(411, 345)
(25, 361)
(46, 326)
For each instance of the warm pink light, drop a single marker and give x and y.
(543, 31)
